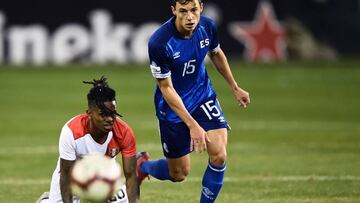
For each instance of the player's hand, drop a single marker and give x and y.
(199, 138)
(242, 96)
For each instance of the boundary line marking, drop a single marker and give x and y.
(53, 149)
(19, 182)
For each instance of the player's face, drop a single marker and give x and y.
(100, 120)
(187, 16)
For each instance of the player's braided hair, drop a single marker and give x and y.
(100, 93)
(173, 2)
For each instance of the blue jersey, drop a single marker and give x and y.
(182, 59)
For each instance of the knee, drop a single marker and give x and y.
(218, 159)
(179, 174)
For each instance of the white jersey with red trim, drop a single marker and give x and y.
(76, 142)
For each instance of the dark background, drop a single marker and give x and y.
(335, 22)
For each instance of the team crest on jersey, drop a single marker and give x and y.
(176, 55)
(113, 152)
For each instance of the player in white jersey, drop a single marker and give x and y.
(189, 114)
(97, 131)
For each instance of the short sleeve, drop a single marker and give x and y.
(159, 63)
(128, 147)
(67, 144)
(214, 42)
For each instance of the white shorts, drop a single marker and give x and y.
(120, 197)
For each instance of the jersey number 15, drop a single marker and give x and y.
(210, 109)
(189, 67)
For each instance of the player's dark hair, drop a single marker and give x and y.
(173, 2)
(100, 93)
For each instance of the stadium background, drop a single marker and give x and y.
(297, 142)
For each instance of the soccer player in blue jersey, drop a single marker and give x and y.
(189, 114)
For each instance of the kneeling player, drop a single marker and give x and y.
(100, 130)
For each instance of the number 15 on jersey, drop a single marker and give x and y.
(189, 67)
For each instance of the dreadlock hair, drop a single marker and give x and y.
(173, 2)
(100, 93)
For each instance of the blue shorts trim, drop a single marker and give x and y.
(175, 137)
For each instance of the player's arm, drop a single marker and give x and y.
(132, 188)
(221, 64)
(65, 168)
(198, 135)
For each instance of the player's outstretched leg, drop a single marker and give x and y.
(156, 168)
(141, 158)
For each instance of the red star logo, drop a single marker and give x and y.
(264, 38)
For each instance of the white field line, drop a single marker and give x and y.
(39, 150)
(53, 149)
(274, 125)
(14, 181)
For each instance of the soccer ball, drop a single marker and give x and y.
(95, 178)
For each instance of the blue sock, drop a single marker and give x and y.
(212, 182)
(157, 168)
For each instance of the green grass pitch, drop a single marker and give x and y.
(298, 141)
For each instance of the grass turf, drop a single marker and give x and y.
(298, 141)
